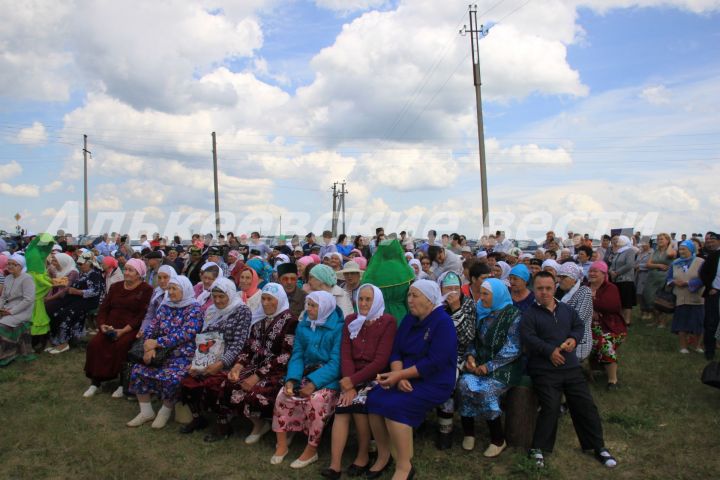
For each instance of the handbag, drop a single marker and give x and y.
(137, 352)
(664, 300)
(711, 375)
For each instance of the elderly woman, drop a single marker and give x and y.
(609, 328)
(16, 308)
(422, 375)
(622, 274)
(118, 319)
(111, 273)
(248, 281)
(520, 294)
(171, 335)
(227, 321)
(308, 399)
(491, 366)
(658, 265)
(210, 273)
(324, 278)
(333, 260)
(257, 375)
(501, 271)
(578, 296)
(67, 320)
(551, 266)
(463, 313)
(689, 315)
(63, 271)
(366, 346)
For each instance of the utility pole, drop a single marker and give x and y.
(475, 33)
(215, 177)
(333, 226)
(85, 183)
(342, 204)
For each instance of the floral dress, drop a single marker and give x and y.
(464, 319)
(265, 354)
(67, 320)
(174, 329)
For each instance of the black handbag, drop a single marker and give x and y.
(664, 300)
(137, 352)
(711, 374)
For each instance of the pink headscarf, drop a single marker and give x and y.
(138, 265)
(3, 262)
(355, 250)
(361, 261)
(307, 260)
(316, 258)
(600, 265)
(109, 261)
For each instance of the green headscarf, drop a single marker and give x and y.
(389, 271)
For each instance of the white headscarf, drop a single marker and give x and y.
(377, 309)
(326, 306)
(214, 314)
(505, 267)
(552, 264)
(281, 258)
(624, 243)
(187, 292)
(415, 261)
(205, 294)
(20, 260)
(431, 290)
(276, 290)
(170, 272)
(207, 265)
(67, 265)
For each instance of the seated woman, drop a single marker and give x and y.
(463, 313)
(366, 346)
(324, 278)
(422, 376)
(248, 281)
(209, 273)
(257, 376)
(229, 317)
(491, 367)
(579, 297)
(608, 328)
(16, 308)
(67, 320)
(310, 393)
(64, 273)
(111, 274)
(520, 294)
(173, 330)
(118, 319)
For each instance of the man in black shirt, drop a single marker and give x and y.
(550, 331)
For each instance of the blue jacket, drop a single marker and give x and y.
(321, 347)
(542, 331)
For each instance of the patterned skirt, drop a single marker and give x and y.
(480, 396)
(15, 343)
(202, 392)
(163, 381)
(605, 344)
(308, 415)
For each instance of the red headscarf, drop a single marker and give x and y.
(246, 294)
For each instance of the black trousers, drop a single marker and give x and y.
(712, 318)
(549, 388)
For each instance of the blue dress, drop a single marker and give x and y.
(431, 346)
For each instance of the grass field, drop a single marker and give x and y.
(662, 424)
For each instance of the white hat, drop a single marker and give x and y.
(350, 267)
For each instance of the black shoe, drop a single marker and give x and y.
(443, 441)
(356, 470)
(222, 432)
(197, 423)
(379, 473)
(612, 386)
(330, 473)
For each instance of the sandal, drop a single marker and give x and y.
(606, 458)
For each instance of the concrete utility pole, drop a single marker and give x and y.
(475, 33)
(333, 226)
(85, 183)
(342, 203)
(215, 178)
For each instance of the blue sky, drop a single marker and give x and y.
(588, 109)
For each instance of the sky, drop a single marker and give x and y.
(598, 114)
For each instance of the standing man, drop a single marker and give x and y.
(350, 276)
(309, 243)
(550, 331)
(710, 276)
(443, 260)
(287, 275)
(431, 236)
(327, 245)
(256, 244)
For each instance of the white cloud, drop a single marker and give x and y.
(21, 190)
(104, 202)
(656, 95)
(10, 170)
(347, 6)
(154, 212)
(525, 154)
(49, 212)
(34, 135)
(52, 186)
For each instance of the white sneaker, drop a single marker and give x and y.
(118, 393)
(468, 443)
(684, 351)
(255, 437)
(56, 350)
(304, 463)
(699, 350)
(92, 390)
(278, 459)
(162, 418)
(139, 420)
(493, 450)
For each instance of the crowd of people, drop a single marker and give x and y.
(372, 332)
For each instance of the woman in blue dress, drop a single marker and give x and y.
(174, 327)
(421, 377)
(491, 365)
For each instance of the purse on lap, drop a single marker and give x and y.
(137, 352)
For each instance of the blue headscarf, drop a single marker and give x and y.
(263, 269)
(683, 263)
(521, 271)
(501, 297)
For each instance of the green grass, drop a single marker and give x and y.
(662, 424)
